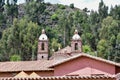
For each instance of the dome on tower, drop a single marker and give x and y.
(43, 36)
(76, 35)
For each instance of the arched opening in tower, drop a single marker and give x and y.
(76, 46)
(43, 46)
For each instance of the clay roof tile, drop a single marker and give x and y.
(40, 65)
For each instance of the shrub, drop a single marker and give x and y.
(54, 17)
(15, 58)
(61, 6)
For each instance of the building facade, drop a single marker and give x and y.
(69, 63)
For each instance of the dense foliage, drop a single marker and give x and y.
(21, 25)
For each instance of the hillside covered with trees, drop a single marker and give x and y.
(21, 25)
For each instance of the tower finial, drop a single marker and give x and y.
(76, 31)
(43, 36)
(43, 31)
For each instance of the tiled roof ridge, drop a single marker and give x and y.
(102, 59)
(59, 77)
(22, 61)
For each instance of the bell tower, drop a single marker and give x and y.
(76, 43)
(42, 46)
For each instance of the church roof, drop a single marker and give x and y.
(76, 36)
(86, 55)
(40, 65)
(64, 50)
(43, 36)
(44, 65)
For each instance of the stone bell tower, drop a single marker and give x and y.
(42, 46)
(76, 43)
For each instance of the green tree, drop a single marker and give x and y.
(34, 9)
(87, 49)
(115, 12)
(15, 58)
(11, 10)
(72, 5)
(102, 48)
(108, 32)
(55, 45)
(2, 3)
(86, 10)
(93, 18)
(54, 17)
(2, 16)
(118, 39)
(109, 27)
(117, 49)
(61, 6)
(21, 39)
(62, 26)
(93, 22)
(103, 10)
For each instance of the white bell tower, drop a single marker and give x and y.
(42, 46)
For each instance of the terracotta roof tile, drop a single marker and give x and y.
(88, 71)
(64, 50)
(60, 78)
(43, 65)
(39, 65)
(86, 55)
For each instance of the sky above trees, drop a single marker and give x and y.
(90, 4)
